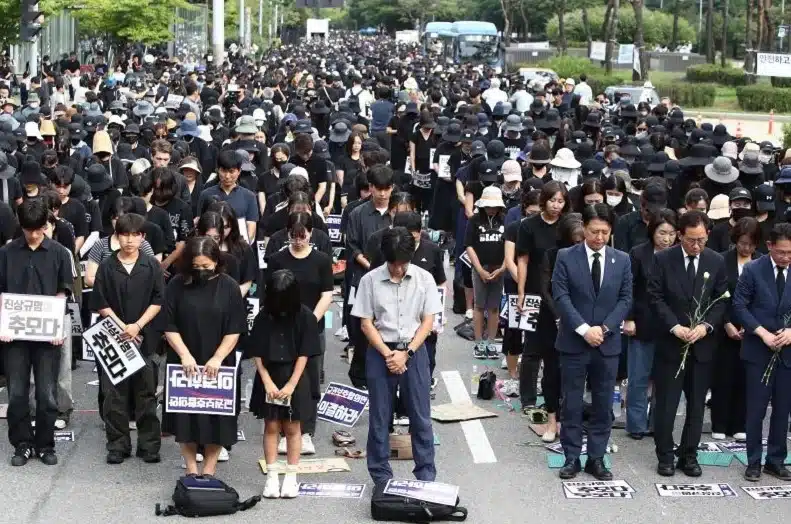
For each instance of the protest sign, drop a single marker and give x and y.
(695, 490)
(119, 358)
(87, 352)
(32, 317)
(64, 436)
(527, 320)
(76, 319)
(444, 167)
(439, 318)
(261, 250)
(331, 490)
(200, 395)
(334, 228)
(342, 404)
(436, 492)
(312, 466)
(597, 489)
(768, 492)
(252, 312)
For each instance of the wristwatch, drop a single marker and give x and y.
(410, 353)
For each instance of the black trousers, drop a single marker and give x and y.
(44, 360)
(694, 381)
(538, 348)
(140, 391)
(728, 390)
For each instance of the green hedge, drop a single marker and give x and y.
(571, 66)
(711, 73)
(764, 98)
(779, 81)
(688, 94)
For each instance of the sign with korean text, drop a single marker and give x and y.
(331, 490)
(436, 492)
(527, 320)
(200, 395)
(598, 489)
(773, 64)
(625, 53)
(76, 319)
(768, 492)
(261, 251)
(87, 352)
(252, 312)
(598, 51)
(695, 490)
(342, 404)
(119, 358)
(32, 317)
(443, 163)
(334, 228)
(439, 318)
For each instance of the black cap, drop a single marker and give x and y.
(740, 193)
(654, 195)
(764, 198)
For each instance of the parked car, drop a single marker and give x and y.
(636, 93)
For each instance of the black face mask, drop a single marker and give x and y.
(738, 213)
(130, 139)
(201, 276)
(75, 142)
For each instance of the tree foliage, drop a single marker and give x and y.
(145, 21)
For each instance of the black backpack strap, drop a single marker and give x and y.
(168, 511)
(249, 503)
(459, 514)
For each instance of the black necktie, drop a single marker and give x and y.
(691, 269)
(780, 282)
(596, 272)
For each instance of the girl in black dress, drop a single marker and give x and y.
(284, 335)
(235, 244)
(205, 315)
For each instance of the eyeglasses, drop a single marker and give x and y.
(695, 241)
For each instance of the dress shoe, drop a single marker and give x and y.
(597, 468)
(636, 436)
(779, 472)
(666, 469)
(753, 473)
(570, 469)
(690, 467)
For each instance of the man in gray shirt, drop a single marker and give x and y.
(396, 303)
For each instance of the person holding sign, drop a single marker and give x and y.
(205, 314)
(396, 303)
(592, 288)
(284, 336)
(129, 288)
(33, 265)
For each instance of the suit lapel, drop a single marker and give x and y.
(685, 284)
(582, 260)
(698, 290)
(769, 273)
(607, 268)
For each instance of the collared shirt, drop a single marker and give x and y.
(589, 253)
(242, 201)
(45, 271)
(364, 221)
(695, 260)
(775, 267)
(397, 309)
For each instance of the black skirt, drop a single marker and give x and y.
(301, 404)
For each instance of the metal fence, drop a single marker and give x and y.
(58, 36)
(191, 33)
(672, 62)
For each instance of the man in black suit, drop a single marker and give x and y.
(684, 276)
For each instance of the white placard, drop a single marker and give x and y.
(252, 312)
(120, 359)
(768, 492)
(32, 317)
(444, 167)
(76, 319)
(352, 294)
(88, 244)
(598, 489)
(528, 319)
(261, 249)
(625, 53)
(439, 318)
(695, 490)
(87, 352)
(243, 230)
(436, 492)
(773, 64)
(598, 51)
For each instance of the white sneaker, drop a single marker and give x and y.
(307, 446)
(132, 426)
(549, 437)
(504, 363)
(224, 456)
(60, 424)
(740, 436)
(290, 488)
(401, 421)
(198, 459)
(510, 388)
(718, 436)
(468, 314)
(342, 334)
(281, 446)
(272, 485)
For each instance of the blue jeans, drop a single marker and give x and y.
(414, 386)
(640, 363)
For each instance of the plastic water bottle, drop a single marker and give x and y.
(248, 392)
(475, 380)
(616, 401)
(424, 220)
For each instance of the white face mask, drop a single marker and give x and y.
(613, 201)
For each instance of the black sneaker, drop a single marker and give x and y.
(115, 457)
(148, 457)
(434, 383)
(48, 457)
(21, 455)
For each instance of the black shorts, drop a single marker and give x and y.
(466, 275)
(512, 341)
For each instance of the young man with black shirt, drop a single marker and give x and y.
(129, 288)
(313, 164)
(71, 209)
(33, 265)
(143, 187)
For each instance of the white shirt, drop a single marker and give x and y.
(774, 269)
(585, 92)
(696, 260)
(581, 330)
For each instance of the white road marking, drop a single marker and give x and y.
(477, 441)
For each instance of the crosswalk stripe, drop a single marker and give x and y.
(477, 441)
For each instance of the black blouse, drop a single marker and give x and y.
(280, 340)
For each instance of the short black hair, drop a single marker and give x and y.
(410, 220)
(130, 224)
(282, 294)
(381, 177)
(567, 226)
(361, 182)
(659, 217)
(402, 197)
(398, 245)
(549, 190)
(299, 197)
(32, 214)
(693, 218)
(748, 226)
(62, 176)
(122, 206)
(295, 183)
(598, 212)
(229, 160)
(695, 195)
(781, 231)
(202, 247)
(52, 199)
(299, 224)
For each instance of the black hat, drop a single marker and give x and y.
(657, 164)
(499, 110)
(98, 178)
(629, 111)
(672, 169)
(654, 195)
(426, 120)
(629, 149)
(751, 164)
(319, 107)
(31, 174)
(550, 120)
(764, 198)
(442, 125)
(76, 131)
(593, 119)
(478, 149)
(539, 155)
(591, 168)
(699, 155)
(676, 116)
(577, 138)
(583, 151)
(131, 129)
(488, 171)
(321, 149)
(720, 135)
(467, 136)
(303, 127)
(412, 107)
(452, 133)
(740, 193)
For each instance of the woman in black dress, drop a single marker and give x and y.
(205, 315)
(236, 245)
(421, 145)
(283, 337)
(348, 165)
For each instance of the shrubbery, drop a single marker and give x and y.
(712, 73)
(764, 98)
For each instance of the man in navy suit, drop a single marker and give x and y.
(761, 302)
(592, 288)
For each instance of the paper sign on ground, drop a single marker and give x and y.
(439, 318)
(342, 404)
(240, 435)
(331, 490)
(64, 436)
(32, 317)
(312, 466)
(119, 358)
(436, 492)
(557, 447)
(597, 489)
(695, 490)
(199, 394)
(3, 410)
(768, 492)
(710, 447)
(456, 412)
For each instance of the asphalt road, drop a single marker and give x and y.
(499, 464)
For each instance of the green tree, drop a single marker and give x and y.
(145, 21)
